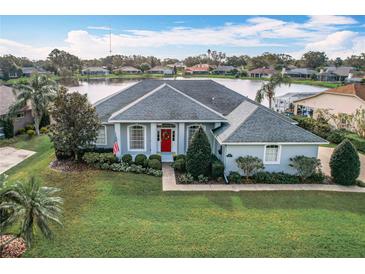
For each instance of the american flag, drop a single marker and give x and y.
(115, 148)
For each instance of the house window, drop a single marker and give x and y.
(272, 154)
(20, 115)
(191, 130)
(101, 137)
(137, 138)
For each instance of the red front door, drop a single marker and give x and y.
(165, 140)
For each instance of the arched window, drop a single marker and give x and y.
(272, 154)
(137, 137)
(191, 131)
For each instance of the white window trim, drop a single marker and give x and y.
(106, 138)
(145, 138)
(279, 155)
(187, 132)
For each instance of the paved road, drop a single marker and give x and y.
(325, 153)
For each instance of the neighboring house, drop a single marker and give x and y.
(7, 99)
(161, 116)
(284, 103)
(127, 70)
(344, 99)
(198, 69)
(335, 74)
(177, 65)
(261, 72)
(29, 71)
(356, 77)
(95, 71)
(225, 70)
(302, 73)
(161, 70)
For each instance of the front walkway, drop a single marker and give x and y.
(10, 157)
(169, 184)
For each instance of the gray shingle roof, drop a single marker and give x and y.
(166, 104)
(263, 127)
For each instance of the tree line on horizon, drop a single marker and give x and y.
(66, 64)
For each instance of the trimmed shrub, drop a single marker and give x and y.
(179, 165)
(316, 178)
(94, 158)
(264, 177)
(179, 156)
(30, 133)
(203, 179)
(8, 126)
(319, 128)
(44, 130)
(155, 164)
(29, 126)
(357, 141)
(198, 154)
(305, 166)
(127, 158)
(336, 136)
(139, 159)
(234, 177)
(250, 165)
(186, 178)
(345, 164)
(155, 156)
(217, 169)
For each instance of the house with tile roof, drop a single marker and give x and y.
(198, 69)
(335, 74)
(261, 72)
(161, 116)
(127, 70)
(343, 99)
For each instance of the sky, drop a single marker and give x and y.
(181, 36)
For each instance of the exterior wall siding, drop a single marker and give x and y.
(19, 123)
(287, 152)
(110, 137)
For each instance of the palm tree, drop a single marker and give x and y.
(40, 92)
(33, 206)
(267, 89)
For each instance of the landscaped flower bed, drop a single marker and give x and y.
(141, 165)
(13, 248)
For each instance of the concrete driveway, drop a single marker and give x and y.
(10, 157)
(325, 153)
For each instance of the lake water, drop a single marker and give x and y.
(100, 88)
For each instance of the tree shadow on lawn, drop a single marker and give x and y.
(334, 201)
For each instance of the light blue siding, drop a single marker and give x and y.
(110, 137)
(287, 152)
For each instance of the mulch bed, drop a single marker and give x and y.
(68, 166)
(14, 249)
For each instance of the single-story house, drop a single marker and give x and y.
(177, 65)
(161, 116)
(284, 103)
(302, 73)
(127, 70)
(344, 99)
(161, 70)
(95, 71)
(198, 69)
(7, 99)
(225, 70)
(29, 71)
(261, 72)
(335, 74)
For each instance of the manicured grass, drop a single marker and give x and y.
(126, 215)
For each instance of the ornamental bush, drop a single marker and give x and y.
(179, 165)
(155, 156)
(155, 164)
(186, 178)
(94, 158)
(250, 165)
(234, 177)
(179, 156)
(198, 154)
(357, 141)
(140, 159)
(30, 133)
(264, 177)
(44, 130)
(217, 169)
(305, 166)
(345, 164)
(336, 136)
(127, 158)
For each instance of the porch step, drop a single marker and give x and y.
(167, 158)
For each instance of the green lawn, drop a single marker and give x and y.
(125, 215)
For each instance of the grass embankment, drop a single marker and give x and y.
(110, 214)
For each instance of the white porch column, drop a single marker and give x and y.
(153, 138)
(181, 143)
(119, 139)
